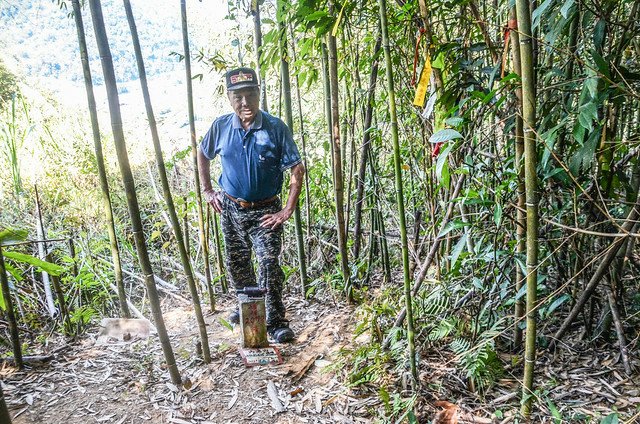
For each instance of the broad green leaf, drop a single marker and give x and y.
(599, 34)
(556, 303)
(443, 173)
(497, 214)
(15, 273)
(538, 12)
(583, 158)
(47, 267)
(557, 417)
(9, 236)
(444, 135)
(591, 84)
(225, 323)
(578, 133)
(603, 65)
(611, 419)
(457, 250)
(566, 8)
(155, 234)
(587, 114)
(442, 165)
(316, 15)
(451, 225)
(454, 121)
(521, 292)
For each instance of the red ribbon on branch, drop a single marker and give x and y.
(415, 57)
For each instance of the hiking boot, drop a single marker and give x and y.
(281, 333)
(234, 317)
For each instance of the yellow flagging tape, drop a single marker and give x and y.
(423, 84)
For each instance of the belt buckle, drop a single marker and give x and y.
(244, 203)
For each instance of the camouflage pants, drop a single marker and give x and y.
(242, 232)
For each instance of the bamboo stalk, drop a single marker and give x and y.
(192, 131)
(166, 190)
(338, 179)
(366, 147)
(5, 417)
(521, 221)
(129, 185)
(303, 138)
(288, 111)
(11, 316)
(382, 5)
(531, 187)
(102, 173)
(257, 41)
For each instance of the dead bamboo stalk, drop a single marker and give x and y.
(42, 252)
(429, 260)
(599, 273)
(615, 314)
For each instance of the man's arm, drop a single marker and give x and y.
(204, 171)
(274, 220)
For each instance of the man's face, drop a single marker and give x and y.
(245, 103)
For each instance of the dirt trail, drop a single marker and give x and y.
(122, 382)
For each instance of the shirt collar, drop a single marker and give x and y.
(255, 125)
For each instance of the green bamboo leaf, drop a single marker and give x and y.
(610, 419)
(444, 135)
(556, 303)
(9, 236)
(451, 225)
(15, 273)
(591, 84)
(566, 8)
(497, 214)
(337, 24)
(457, 250)
(315, 15)
(226, 324)
(47, 267)
(454, 121)
(587, 114)
(537, 14)
(599, 33)
(557, 417)
(603, 65)
(583, 158)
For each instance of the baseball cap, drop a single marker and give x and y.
(241, 78)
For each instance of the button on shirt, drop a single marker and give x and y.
(253, 161)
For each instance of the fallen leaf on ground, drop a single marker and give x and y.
(449, 415)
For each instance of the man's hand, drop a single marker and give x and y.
(274, 220)
(213, 198)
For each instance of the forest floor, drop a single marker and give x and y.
(122, 382)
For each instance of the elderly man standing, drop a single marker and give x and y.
(255, 149)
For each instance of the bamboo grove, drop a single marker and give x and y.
(473, 181)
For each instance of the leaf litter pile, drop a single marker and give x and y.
(98, 380)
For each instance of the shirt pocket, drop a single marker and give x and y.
(266, 153)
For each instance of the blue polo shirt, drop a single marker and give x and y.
(252, 161)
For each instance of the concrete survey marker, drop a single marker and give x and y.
(121, 329)
(261, 356)
(255, 348)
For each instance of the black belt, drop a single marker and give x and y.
(251, 205)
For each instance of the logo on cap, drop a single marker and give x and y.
(241, 77)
